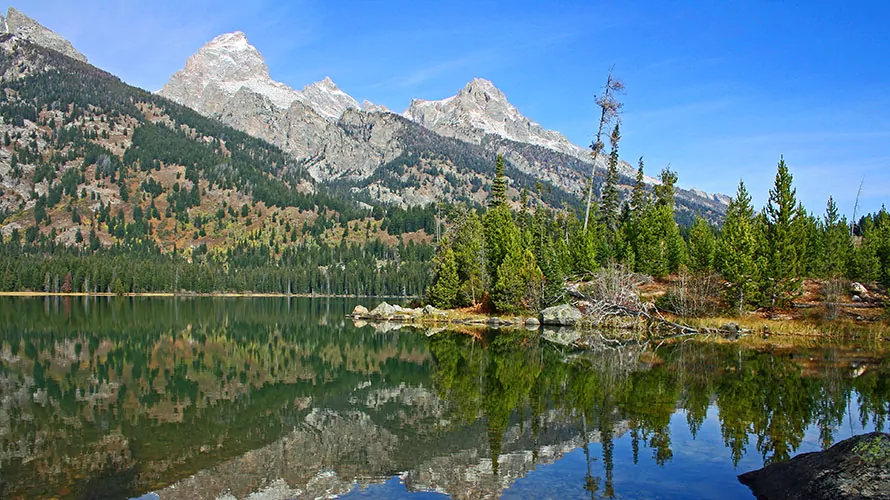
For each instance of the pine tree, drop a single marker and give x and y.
(470, 255)
(702, 245)
(664, 192)
(518, 282)
(584, 247)
(499, 186)
(499, 233)
(736, 247)
(610, 199)
(785, 246)
(446, 283)
(639, 198)
(836, 245)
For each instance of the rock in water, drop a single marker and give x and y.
(562, 315)
(384, 310)
(856, 468)
(360, 311)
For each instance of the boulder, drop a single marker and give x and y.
(561, 315)
(384, 310)
(730, 328)
(857, 288)
(856, 468)
(430, 310)
(532, 322)
(561, 336)
(360, 311)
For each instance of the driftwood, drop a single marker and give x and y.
(649, 316)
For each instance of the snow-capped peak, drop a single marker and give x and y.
(327, 99)
(481, 108)
(225, 65)
(229, 63)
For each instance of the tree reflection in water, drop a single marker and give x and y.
(124, 396)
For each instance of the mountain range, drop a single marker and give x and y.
(80, 150)
(228, 79)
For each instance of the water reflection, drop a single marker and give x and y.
(200, 398)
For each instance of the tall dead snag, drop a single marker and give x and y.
(609, 107)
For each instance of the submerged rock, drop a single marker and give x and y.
(561, 315)
(856, 468)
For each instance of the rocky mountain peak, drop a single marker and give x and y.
(229, 57)
(370, 107)
(480, 87)
(479, 109)
(229, 63)
(327, 99)
(221, 68)
(24, 27)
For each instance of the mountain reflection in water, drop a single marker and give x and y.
(284, 398)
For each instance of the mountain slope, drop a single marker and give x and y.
(336, 141)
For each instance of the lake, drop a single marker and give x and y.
(182, 398)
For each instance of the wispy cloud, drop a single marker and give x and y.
(424, 74)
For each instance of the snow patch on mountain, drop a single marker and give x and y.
(229, 63)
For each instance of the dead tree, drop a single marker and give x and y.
(609, 109)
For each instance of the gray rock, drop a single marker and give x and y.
(430, 310)
(384, 310)
(857, 288)
(561, 315)
(532, 322)
(857, 298)
(360, 311)
(856, 468)
(561, 336)
(24, 27)
(730, 328)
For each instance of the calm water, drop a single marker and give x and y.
(276, 398)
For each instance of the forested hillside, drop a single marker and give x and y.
(106, 187)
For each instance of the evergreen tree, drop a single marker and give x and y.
(702, 245)
(500, 232)
(836, 245)
(639, 198)
(518, 283)
(609, 208)
(584, 246)
(446, 284)
(499, 185)
(785, 246)
(470, 255)
(664, 192)
(736, 247)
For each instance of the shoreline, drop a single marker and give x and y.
(202, 294)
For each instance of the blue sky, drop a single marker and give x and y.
(718, 90)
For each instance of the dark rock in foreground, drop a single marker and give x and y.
(856, 468)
